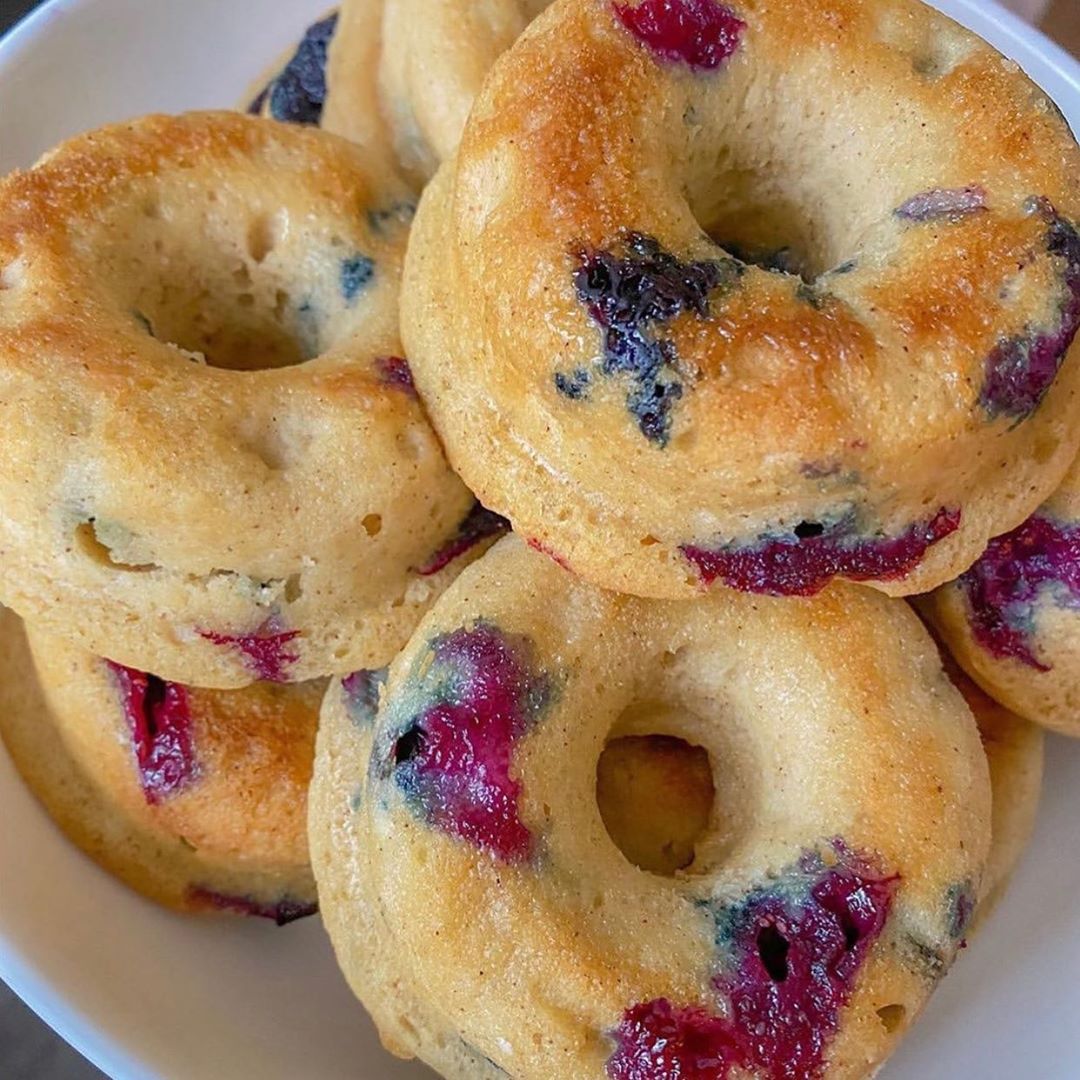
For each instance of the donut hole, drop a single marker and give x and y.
(773, 236)
(786, 180)
(226, 278)
(224, 327)
(655, 794)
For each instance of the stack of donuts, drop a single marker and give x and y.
(220, 487)
(752, 321)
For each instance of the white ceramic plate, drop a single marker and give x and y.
(145, 994)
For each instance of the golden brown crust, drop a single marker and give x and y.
(153, 502)
(861, 400)
(238, 834)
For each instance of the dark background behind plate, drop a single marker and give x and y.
(10, 10)
(28, 1049)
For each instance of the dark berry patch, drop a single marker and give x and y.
(159, 718)
(630, 293)
(298, 93)
(257, 102)
(453, 757)
(395, 371)
(804, 561)
(943, 204)
(790, 956)
(1002, 588)
(961, 904)
(1020, 370)
(282, 912)
(657, 1040)
(574, 385)
(479, 524)
(699, 33)
(266, 652)
(356, 272)
(362, 690)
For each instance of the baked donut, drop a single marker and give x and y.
(353, 108)
(827, 895)
(297, 92)
(434, 57)
(195, 798)
(216, 467)
(655, 795)
(662, 323)
(1014, 751)
(1012, 621)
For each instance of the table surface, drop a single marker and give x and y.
(28, 1049)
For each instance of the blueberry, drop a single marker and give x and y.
(356, 272)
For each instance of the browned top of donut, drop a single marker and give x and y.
(723, 269)
(207, 303)
(952, 114)
(65, 222)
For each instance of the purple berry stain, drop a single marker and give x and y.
(630, 293)
(702, 34)
(1002, 589)
(266, 653)
(794, 952)
(803, 562)
(550, 552)
(961, 902)
(159, 717)
(298, 93)
(452, 756)
(1021, 369)
(282, 912)
(362, 689)
(395, 371)
(478, 525)
(943, 204)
